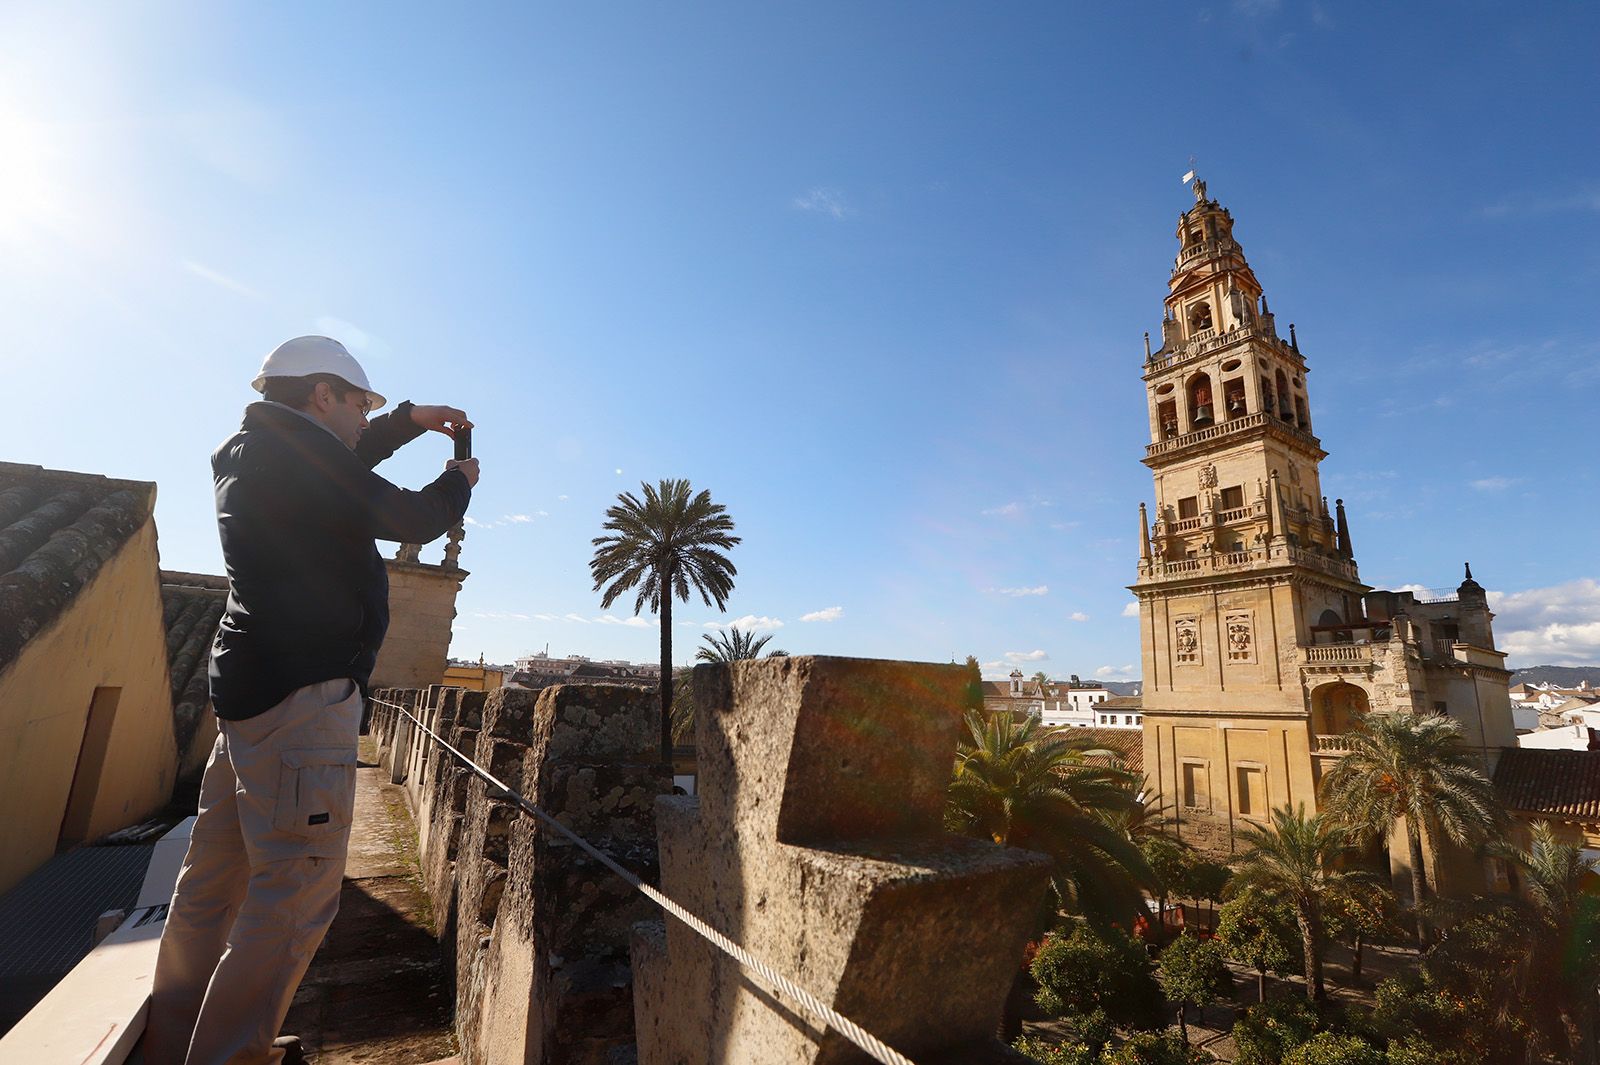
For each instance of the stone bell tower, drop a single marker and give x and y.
(1241, 559)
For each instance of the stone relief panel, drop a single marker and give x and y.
(1208, 476)
(1239, 631)
(1186, 640)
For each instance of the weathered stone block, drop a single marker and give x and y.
(816, 842)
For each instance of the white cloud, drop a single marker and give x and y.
(1493, 484)
(1131, 610)
(1558, 625)
(823, 201)
(831, 613)
(1018, 593)
(1026, 656)
(1077, 615)
(518, 519)
(475, 523)
(1116, 673)
(1580, 202)
(505, 615)
(563, 498)
(619, 471)
(221, 280)
(749, 623)
(633, 621)
(579, 618)
(1005, 510)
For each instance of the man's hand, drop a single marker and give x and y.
(468, 468)
(441, 419)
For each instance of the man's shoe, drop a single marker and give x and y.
(294, 1053)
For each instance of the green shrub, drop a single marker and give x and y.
(1047, 1053)
(1091, 970)
(1327, 1048)
(1415, 1051)
(1268, 1031)
(1193, 972)
(1151, 1048)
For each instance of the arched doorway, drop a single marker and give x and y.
(1338, 708)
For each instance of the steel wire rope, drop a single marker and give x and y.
(852, 1031)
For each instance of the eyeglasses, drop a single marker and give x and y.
(365, 406)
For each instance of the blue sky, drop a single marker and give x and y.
(874, 274)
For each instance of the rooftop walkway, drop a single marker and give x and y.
(376, 990)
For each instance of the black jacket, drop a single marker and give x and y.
(308, 594)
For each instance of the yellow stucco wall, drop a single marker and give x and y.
(474, 678)
(110, 636)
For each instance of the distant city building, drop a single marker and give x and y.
(1069, 703)
(539, 670)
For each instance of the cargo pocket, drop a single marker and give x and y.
(316, 791)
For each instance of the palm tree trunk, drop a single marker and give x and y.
(1355, 962)
(666, 668)
(1313, 960)
(1261, 985)
(1183, 1023)
(1419, 879)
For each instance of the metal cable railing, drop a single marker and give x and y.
(775, 980)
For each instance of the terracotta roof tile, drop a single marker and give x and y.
(191, 608)
(1126, 743)
(1563, 784)
(57, 529)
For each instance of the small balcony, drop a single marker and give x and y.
(1336, 744)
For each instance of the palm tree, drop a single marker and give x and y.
(1412, 766)
(1556, 953)
(665, 545)
(1023, 785)
(1294, 860)
(735, 645)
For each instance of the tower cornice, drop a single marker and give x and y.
(1231, 434)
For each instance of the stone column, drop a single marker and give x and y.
(817, 842)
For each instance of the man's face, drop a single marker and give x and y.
(346, 415)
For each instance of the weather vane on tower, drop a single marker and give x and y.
(1199, 185)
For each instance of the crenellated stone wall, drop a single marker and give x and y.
(816, 842)
(535, 932)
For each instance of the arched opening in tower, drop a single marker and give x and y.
(1200, 407)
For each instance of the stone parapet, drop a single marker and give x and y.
(816, 841)
(542, 938)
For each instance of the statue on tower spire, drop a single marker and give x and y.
(1199, 190)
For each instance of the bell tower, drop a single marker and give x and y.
(1241, 559)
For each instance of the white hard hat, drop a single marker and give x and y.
(304, 356)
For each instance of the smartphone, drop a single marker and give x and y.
(463, 437)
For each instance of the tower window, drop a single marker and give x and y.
(1167, 415)
(1200, 317)
(1188, 507)
(1233, 401)
(1200, 412)
(1233, 497)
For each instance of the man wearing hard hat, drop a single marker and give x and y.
(298, 508)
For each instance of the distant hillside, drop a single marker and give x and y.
(1122, 687)
(1562, 676)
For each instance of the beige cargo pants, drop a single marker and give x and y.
(260, 883)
